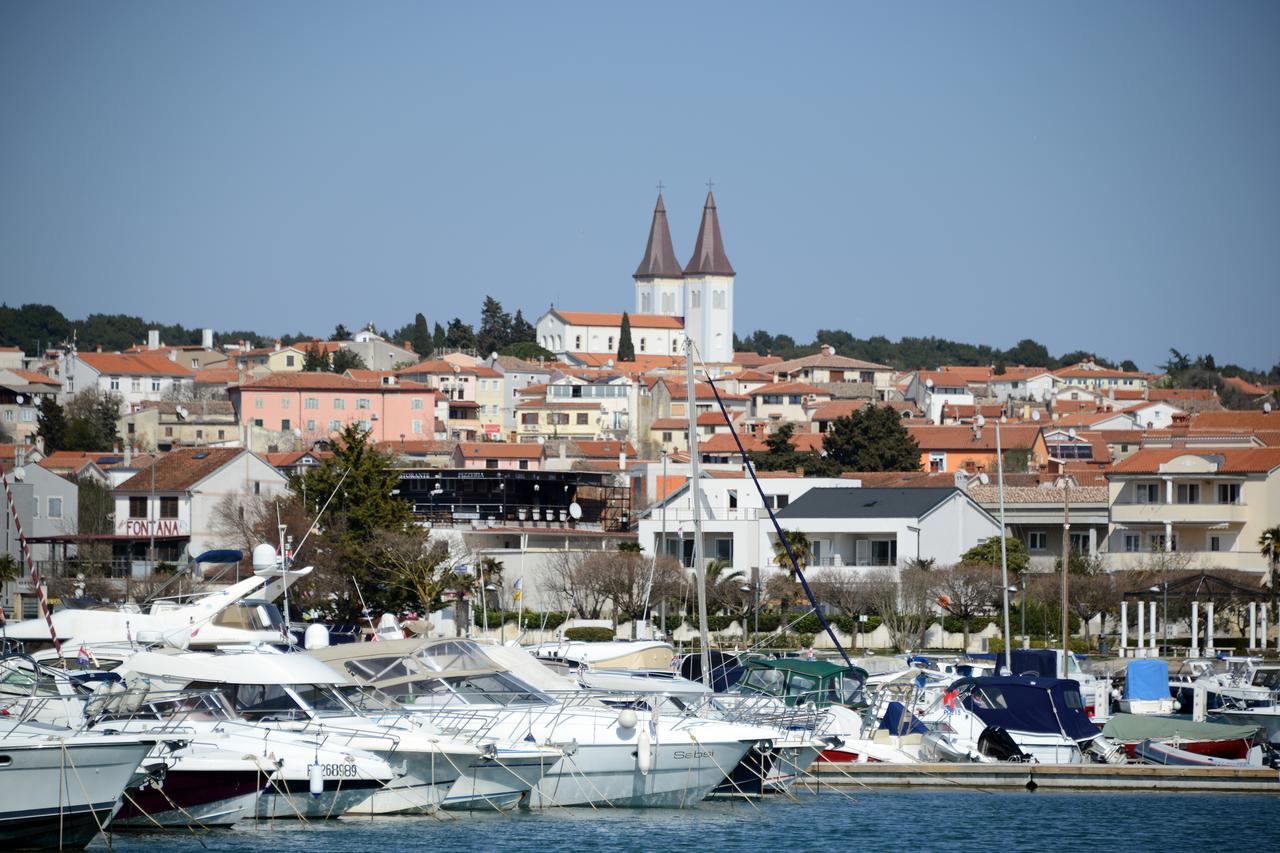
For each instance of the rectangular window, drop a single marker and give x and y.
(1146, 493)
(1188, 493)
(1158, 542)
(491, 463)
(884, 552)
(417, 403)
(222, 433)
(155, 384)
(285, 425)
(55, 508)
(724, 549)
(1228, 493)
(1037, 540)
(258, 402)
(666, 438)
(416, 426)
(1132, 543)
(1079, 543)
(339, 403)
(168, 432)
(311, 426)
(335, 425)
(529, 418)
(114, 383)
(199, 434)
(288, 361)
(1215, 543)
(135, 385)
(168, 507)
(311, 403)
(583, 418)
(137, 507)
(362, 402)
(937, 461)
(284, 402)
(257, 422)
(524, 464)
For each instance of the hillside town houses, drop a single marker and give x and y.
(525, 458)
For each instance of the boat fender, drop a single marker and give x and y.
(627, 718)
(644, 755)
(315, 775)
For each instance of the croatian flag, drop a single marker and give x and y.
(82, 657)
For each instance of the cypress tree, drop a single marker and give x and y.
(626, 349)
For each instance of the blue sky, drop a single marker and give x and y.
(1094, 175)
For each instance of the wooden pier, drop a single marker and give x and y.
(1057, 777)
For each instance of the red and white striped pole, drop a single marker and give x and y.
(31, 566)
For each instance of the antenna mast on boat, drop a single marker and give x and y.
(695, 494)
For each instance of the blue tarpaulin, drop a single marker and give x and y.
(1042, 662)
(1146, 679)
(221, 555)
(897, 720)
(1027, 704)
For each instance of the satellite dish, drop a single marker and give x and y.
(297, 432)
(575, 510)
(182, 412)
(1266, 407)
(1035, 415)
(1004, 419)
(20, 399)
(980, 420)
(542, 439)
(928, 383)
(1071, 433)
(984, 479)
(493, 356)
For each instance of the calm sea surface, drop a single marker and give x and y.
(885, 820)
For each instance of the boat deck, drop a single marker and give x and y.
(1065, 777)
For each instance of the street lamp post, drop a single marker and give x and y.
(754, 589)
(1164, 612)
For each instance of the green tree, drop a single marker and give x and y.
(528, 350)
(872, 439)
(340, 333)
(91, 421)
(314, 361)
(344, 359)
(459, 335)
(522, 329)
(421, 339)
(1029, 353)
(626, 349)
(1129, 366)
(780, 454)
(51, 425)
(987, 553)
(438, 337)
(495, 327)
(801, 549)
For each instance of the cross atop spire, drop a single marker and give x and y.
(708, 253)
(659, 256)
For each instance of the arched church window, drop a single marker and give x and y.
(717, 299)
(695, 299)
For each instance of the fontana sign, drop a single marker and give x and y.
(146, 527)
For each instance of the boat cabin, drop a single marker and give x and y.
(800, 682)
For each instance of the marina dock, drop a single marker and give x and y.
(1063, 777)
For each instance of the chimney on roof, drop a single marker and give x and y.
(277, 345)
(564, 450)
(206, 338)
(153, 339)
(828, 349)
(622, 460)
(99, 348)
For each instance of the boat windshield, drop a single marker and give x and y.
(455, 655)
(287, 702)
(1268, 678)
(204, 705)
(767, 681)
(497, 688)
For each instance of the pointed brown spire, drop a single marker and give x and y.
(659, 257)
(708, 253)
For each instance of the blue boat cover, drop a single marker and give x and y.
(1146, 679)
(1042, 662)
(897, 720)
(221, 555)
(1049, 705)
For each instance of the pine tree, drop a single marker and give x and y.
(495, 327)
(421, 339)
(340, 333)
(460, 335)
(872, 439)
(626, 349)
(314, 361)
(51, 425)
(522, 329)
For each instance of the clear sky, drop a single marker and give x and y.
(1095, 175)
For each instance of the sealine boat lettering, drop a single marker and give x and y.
(685, 755)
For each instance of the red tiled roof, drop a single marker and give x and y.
(959, 437)
(1178, 394)
(320, 381)
(1252, 460)
(1077, 371)
(500, 450)
(670, 423)
(643, 362)
(941, 378)
(900, 479)
(133, 364)
(603, 318)
(180, 469)
(419, 447)
(967, 373)
(752, 359)
(788, 388)
(33, 377)
(218, 376)
(600, 449)
(722, 442)
(1253, 419)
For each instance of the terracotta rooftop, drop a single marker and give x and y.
(181, 469)
(600, 449)
(320, 381)
(500, 450)
(755, 360)
(133, 364)
(1253, 460)
(788, 388)
(604, 318)
(1254, 419)
(825, 361)
(32, 376)
(960, 437)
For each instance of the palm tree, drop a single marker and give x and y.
(724, 585)
(801, 549)
(1268, 543)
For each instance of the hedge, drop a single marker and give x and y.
(590, 635)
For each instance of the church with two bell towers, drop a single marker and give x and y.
(673, 302)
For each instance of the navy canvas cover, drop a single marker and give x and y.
(1047, 705)
(1042, 662)
(897, 720)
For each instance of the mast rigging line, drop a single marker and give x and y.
(795, 565)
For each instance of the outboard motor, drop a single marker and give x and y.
(995, 742)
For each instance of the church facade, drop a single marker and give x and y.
(673, 304)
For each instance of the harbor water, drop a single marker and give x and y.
(868, 820)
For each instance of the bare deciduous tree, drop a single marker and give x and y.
(904, 603)
(968, 591)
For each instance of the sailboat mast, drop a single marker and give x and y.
(695, 494)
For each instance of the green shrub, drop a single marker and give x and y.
(955, 625)
(590, 635)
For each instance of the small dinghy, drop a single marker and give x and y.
(1154, 752)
